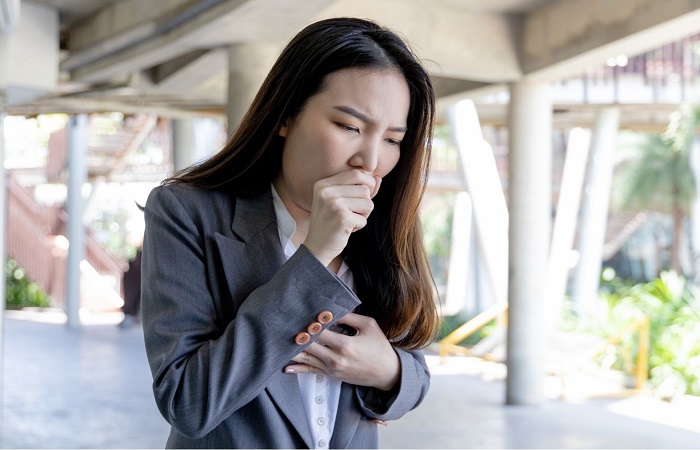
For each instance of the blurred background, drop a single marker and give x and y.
(561, 215)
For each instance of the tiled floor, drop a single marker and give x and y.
(91, 389)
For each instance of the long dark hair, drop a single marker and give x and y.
(387, 257)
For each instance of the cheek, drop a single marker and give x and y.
(388, 161)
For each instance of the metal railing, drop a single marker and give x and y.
(449, 344)
(35, 242)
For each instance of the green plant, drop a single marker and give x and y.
(671, 304)
(660, 177)
(21, 292)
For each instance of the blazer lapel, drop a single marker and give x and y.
(249, 260)
(284, 391)
(253, 254)
(347, 419)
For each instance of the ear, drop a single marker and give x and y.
(284, 129)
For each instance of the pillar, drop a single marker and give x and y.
(565, 222)
(695, 212)
(593, 220)
(77, 174)
(3, 248)
(184, 143)
(249, 64)
(529, 199)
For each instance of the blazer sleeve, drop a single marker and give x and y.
(412, 387)
(203, 374)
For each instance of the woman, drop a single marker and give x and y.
(286, 292)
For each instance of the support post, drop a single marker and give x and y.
(593, 219)
(565, 222)
(184, 143)
(3, 250)
(77, 174)
(530, 200)
(248, 67)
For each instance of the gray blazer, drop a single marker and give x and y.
(220, 311)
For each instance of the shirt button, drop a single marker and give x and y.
(314, 328)
(325, 317)
(320, 378)
(321, 421)
(320, 400)
(302, 338)
(322, 443)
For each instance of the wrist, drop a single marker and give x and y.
(393, 376)
(323, 259)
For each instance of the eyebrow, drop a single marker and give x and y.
(357, 114)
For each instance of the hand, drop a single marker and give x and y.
(341, 205)
(365, 359)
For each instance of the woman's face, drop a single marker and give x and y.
(357, 120)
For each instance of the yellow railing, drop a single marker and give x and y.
(641, 369)
(449, 344)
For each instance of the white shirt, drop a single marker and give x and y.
(319, 393)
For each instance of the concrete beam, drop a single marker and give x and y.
(455, 42)
(565, 37)
(155, 43)
(185, 26)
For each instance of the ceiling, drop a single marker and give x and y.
(171, 56)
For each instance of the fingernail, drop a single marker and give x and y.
(289, 370)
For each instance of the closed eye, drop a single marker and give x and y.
(394, 142)
(348, 127)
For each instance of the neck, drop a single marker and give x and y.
(300, 215)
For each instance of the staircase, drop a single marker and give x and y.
(36, 233)
(36, 242)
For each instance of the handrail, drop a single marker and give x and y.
(465, 330)
(448, 344)
(641, 370)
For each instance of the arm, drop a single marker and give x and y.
(407, 394)
(202, 374)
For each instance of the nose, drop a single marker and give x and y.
(366, 157)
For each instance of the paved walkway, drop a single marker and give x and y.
(91, 389)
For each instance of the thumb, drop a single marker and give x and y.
(356, 321)
(377, 182)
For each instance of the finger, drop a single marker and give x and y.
(319, 354)
(378, 181)
(356, 321)
(360, 206)
(331, 339)
(379, 422)
(352, 176)
(346, 191)
(307, 359)
(303, 368)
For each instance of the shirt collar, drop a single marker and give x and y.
(285, 224)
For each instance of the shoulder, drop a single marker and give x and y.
(190, 201)
(190, 196)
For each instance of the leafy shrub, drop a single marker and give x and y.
(673, 308)
(22, 292)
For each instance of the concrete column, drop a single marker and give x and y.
(248, 66)
(458, 295)
(77, 174)
(565, 222)
(3, 250)
(530, 207)
(184, 143)
(593, 219)
(695, 213)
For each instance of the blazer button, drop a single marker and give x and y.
(302, 338)
(325, 317)
(314, 328)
